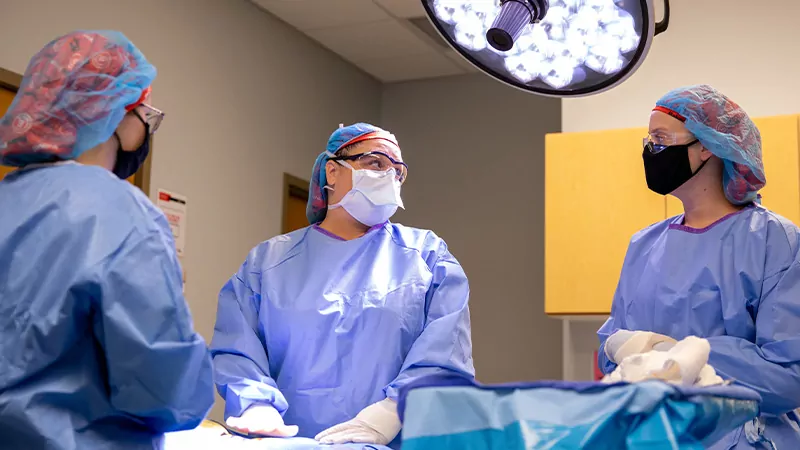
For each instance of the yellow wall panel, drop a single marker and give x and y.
(779, 136)
(596, 198)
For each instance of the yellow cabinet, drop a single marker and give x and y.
(596, 198)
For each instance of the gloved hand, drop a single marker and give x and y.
(263, 420)
(376, 424)
(625, 343)
(687, 364)
(684, 364)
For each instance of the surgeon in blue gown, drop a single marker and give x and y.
(325, 325)
(97, 348)
(727, 269)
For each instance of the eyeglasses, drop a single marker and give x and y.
(152, 116)
(377, 161)
(660, 141)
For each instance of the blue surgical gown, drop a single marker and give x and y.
(97, 349)
(735, 283)
(320, 328)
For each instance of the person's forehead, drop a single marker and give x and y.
(379, 145)
(662, 122)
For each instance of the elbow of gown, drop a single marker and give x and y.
(169, 403)
(198, 397)
(159, 368)
(772, 370)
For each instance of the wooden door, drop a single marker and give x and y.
(295, 214)
(6, 97)
(295, 198)
(596, 198)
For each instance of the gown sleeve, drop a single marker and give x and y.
(616, 320)
(614, 323)
(241, 364)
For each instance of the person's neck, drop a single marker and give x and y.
(104, 155)
(706, 206)
(340, 223)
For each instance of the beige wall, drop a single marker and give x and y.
(475, 149)
(246, 99)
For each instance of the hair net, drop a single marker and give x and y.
(73, 96)
(726, 131)
(317, 206)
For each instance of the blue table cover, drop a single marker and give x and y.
(455, 413)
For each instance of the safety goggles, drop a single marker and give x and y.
(658, 142)
(378, 162)
(151, 116)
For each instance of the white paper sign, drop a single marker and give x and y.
(174, 207)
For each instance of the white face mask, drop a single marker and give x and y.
(374, 198)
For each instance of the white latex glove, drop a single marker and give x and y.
(626, 343)
(708, 377)
(263, 420)
(685, 361)
(687, 364)
(684, 364)
(376, 424)
(637, 368)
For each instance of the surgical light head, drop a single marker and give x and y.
(557, 48)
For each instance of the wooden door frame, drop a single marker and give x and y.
(10, 80)
(291, 184)
(141, 179)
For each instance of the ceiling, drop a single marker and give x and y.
(390, 39)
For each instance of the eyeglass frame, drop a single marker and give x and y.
(359, 155)
(157, 113)
(658, 148)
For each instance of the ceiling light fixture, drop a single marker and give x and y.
(557, 48)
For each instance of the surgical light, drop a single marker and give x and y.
(557, 48)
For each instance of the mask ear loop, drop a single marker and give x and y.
(697, 141)
(330, 188)
(700, 168)
(119, 142)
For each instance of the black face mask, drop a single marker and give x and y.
(668, 169)
(129, 162)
